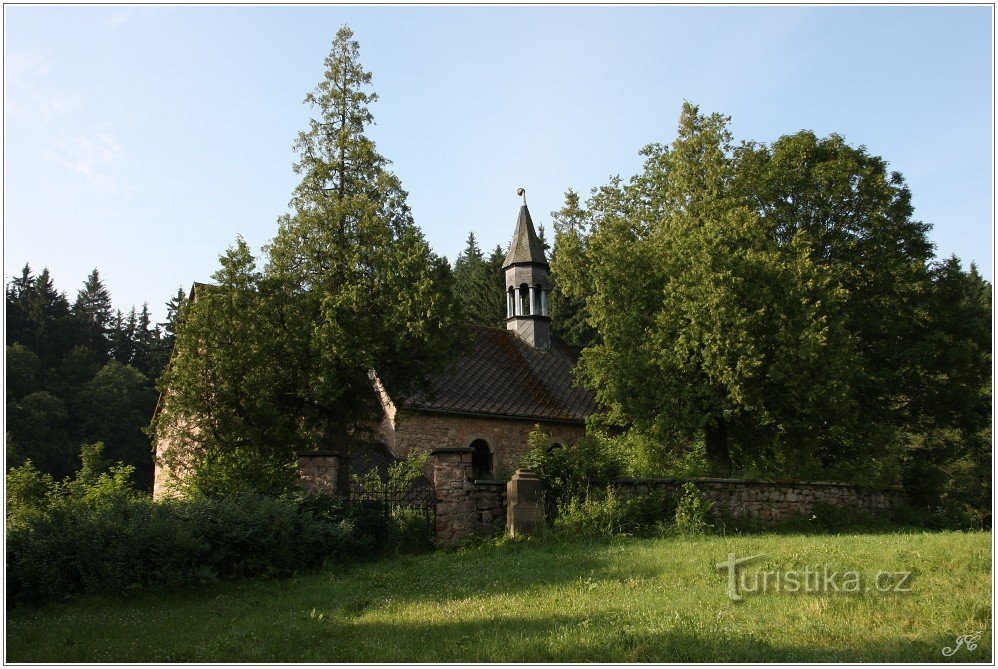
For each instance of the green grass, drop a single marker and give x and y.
(646, 600)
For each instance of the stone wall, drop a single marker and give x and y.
(318, 471)
(453, 484)
(507, 438)
(773, 501)
(490, 507)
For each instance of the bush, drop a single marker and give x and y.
(608, 513)
(570, 471)
(95, 533)
(693, 511)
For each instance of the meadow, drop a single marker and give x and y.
(611, 600)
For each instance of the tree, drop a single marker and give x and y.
(145, 343)
(44, 318)
(114, 407)
(36, 431)
(93, 313)
(17, 296)
(173, 309)
(350, 286)
(947, 459)
(568, 317)
(855, 216)
(721, 332)
(22, 372)
(123, 337)
(479, 284)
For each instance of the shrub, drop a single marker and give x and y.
(572, 470)
(693, 511)
(607, 513)
(95, 533)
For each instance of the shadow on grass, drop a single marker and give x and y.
(549, 638)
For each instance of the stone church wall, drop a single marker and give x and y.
(507, 438)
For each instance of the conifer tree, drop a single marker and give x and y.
(93, 312)
(568, 317)
(350, 286)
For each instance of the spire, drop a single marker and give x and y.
(526, 272)
(525, 247)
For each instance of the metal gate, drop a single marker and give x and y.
(409, 510)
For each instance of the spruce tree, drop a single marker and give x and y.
(93, 313)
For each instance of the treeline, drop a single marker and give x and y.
(81, 372)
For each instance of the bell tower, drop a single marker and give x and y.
(526, 271)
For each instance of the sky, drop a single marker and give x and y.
(143, 140)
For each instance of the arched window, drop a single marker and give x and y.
(510, 302)
(481, 458)
(524, 300)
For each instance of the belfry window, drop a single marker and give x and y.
(510, 302)
(524, 300)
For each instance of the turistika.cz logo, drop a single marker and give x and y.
(821, 579)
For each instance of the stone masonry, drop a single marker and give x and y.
(773, 501)
(454, 484)
(318, 471)
(490, 507)
(414, 431)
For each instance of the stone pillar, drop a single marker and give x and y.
(524, 507)
(453, 482)
(318, 471)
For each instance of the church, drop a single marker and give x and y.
(505, 383)
(491, 396)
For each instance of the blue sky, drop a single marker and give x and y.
(143, 140)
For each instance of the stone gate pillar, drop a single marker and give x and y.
(524, 506)
(318, 471)
(453, 481)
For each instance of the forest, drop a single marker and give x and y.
(80, 373)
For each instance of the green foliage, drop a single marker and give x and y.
(604, 513)
(96, 533)
(28, 492)
(406, 528)
(272, 362)
(114, 406)
(693, 511)
(37, 429)
(63, 388)
(479, 285)
(569, 470)
(649, 457)
(568, 308)
(787, 314)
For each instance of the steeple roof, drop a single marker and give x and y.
(525, 247)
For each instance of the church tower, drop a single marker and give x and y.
(526, 271)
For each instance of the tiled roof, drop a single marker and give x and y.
(500, 375)
(525, 247)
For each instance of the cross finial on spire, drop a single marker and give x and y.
(523, 194)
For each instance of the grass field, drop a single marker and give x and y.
(641, 600)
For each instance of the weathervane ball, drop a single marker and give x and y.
(520, 191)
